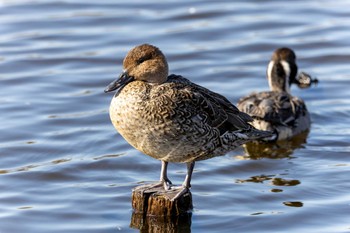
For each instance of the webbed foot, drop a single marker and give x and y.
(166, 184)
(182, 191)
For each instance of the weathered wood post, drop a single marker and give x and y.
(150, 200)
(154, 211)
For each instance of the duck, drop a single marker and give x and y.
(278, 110)
(172, 119)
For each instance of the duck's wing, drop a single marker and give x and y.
(220, 112)
(298, 106)
(274, 107)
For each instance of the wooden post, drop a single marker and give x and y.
(150, 200)
(154, 211)
(161, 224)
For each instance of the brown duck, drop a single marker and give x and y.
(172, 119)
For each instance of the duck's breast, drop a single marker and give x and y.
(162, 121)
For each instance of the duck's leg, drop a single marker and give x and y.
(164, 180)
(164, 176)
(187, 182)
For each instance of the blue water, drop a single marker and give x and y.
(63, 167)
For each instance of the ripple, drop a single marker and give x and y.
(63, 166)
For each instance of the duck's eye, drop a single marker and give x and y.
(142, 59)
(139, 61)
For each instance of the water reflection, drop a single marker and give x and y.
(276, 181)
(160, 224)
(275, 150)
(293, 203)
(283, 182)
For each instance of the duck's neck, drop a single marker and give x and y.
(279, 76)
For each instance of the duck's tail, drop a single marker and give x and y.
(231, 140)
(261, 135)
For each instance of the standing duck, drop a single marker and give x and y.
(172, 119)
(277, 110)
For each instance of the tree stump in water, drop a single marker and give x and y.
(155, 201)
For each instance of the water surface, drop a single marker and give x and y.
(63, 168)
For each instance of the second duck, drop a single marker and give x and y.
(277, 110)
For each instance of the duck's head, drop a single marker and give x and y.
(282, 70)
(144, 63)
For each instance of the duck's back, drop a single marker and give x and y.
(276, 111)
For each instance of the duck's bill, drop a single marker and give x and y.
(304, 80)
(123, 79)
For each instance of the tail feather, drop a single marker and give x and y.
(231, 140)
(261, 135)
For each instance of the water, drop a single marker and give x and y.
(63, 168)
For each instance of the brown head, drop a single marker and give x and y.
(143, 63)
(282, 69)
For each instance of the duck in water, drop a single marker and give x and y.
(278, 110)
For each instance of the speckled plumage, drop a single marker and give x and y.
(178, 121)
(169, 117)
(277, 110)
